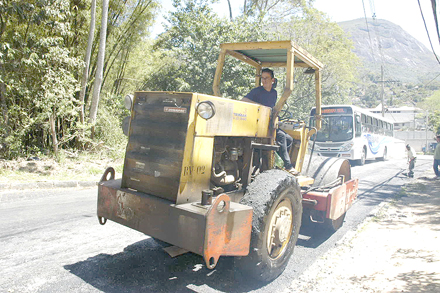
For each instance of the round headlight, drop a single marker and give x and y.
(206, 109)
(128, 101)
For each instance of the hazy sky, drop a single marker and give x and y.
(405, 13)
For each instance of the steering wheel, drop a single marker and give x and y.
(285, 114)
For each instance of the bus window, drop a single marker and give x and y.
(358, 125)
(364, 118)
(368, 124)
(335, 129)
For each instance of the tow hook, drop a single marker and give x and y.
(102, 220)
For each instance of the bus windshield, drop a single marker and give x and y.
(335, 128)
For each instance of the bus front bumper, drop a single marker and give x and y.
(349, 155)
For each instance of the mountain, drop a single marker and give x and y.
(404, 58)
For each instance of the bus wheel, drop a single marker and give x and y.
(276, 200)
(361, 161)
(385, 155)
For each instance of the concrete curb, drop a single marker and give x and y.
(46, 185)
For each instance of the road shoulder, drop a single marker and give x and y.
(396, 249)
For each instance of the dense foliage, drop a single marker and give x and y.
(42, 45)
(432, 106)
(37, 70)
(187, 52)
(326, 41)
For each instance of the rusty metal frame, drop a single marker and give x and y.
(223, 228)
(335, 202)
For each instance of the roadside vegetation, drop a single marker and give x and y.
(43, 56)
(80, 166)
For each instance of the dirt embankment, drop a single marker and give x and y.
(397, 250)
(35, 169)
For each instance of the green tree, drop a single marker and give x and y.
(36, 74)
(42, 45)
(327, 42)
(274, 8)
(432, 105)
(127, 31)
(186, 54)
(85, 75)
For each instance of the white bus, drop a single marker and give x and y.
(352, 133)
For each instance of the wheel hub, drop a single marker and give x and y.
(280, 229)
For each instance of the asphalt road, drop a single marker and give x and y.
(50, 241)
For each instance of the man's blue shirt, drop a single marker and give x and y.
(263, 97)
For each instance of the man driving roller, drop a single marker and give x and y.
(266, 95)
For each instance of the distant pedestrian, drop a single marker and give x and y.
(411, 160)
(437, 157)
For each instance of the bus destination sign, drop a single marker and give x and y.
(339, 110)
(333, 111)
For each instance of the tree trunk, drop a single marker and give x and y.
(100, 64)
(53, 133)
(3, 104)
(230, 10)
(87, 61)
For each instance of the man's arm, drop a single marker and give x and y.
(248, 100)
(250, 97)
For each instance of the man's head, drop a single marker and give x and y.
(408, 146)
(438, 138)
(267, 78)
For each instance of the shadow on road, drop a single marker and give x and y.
(145, 266)
(313, 235)
(382, 190)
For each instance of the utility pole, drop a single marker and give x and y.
(382, 90)
(426, 132)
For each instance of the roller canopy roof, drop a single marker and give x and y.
(271, 54)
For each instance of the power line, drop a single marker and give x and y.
(432, 80)
(426, 28)
(368, 30)
(434, 10)
(373, 11)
